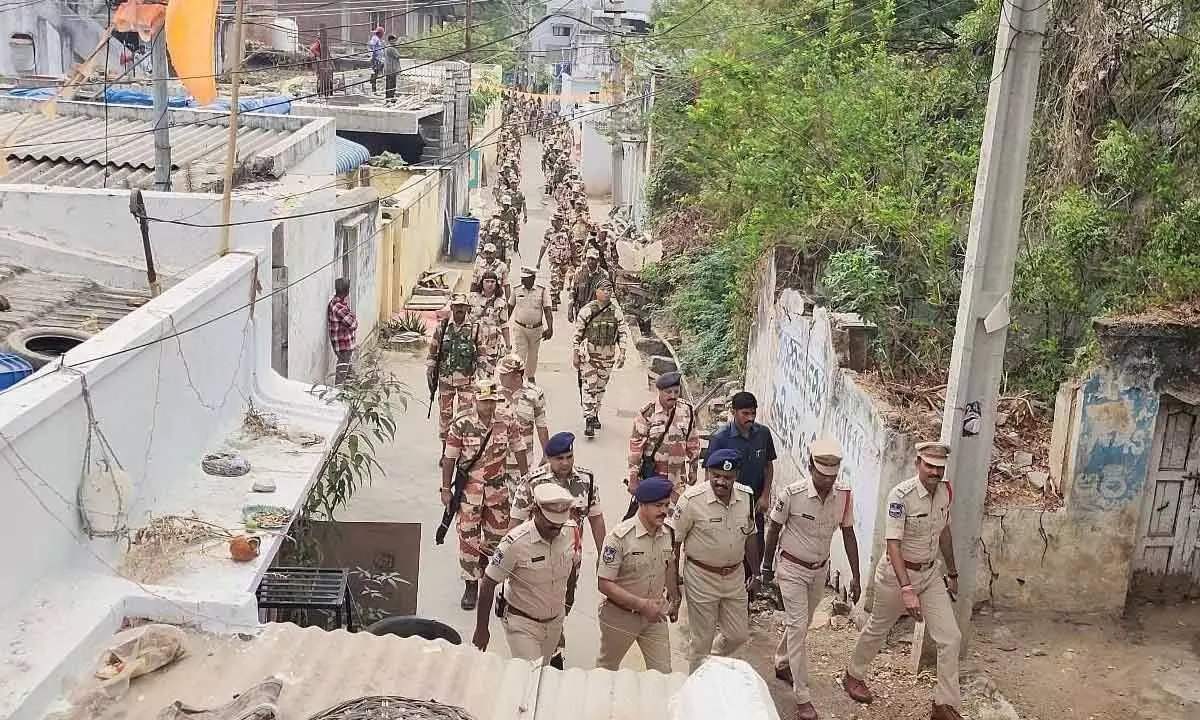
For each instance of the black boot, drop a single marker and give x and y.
(556, 661)
(596, 422)
(589, 428)
(470, 595)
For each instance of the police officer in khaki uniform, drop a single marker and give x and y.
(533, 562)
(635, 562)
(802, 522)
(713, 525)
(533, 322)
(909, 581)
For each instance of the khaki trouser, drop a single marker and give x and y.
(939, 620)
(717, 613)
(530, 639)
(527, 342)
(802, 590)
(620, 628)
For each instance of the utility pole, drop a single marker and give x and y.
(467, 39)
(231, 143)
(615, 116)
(162, 131)
(969, 422)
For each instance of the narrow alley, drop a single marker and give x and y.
(409, 492)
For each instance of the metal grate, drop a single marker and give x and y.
(301, 588)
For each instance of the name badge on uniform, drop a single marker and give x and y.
(715, 519)
(806, 516)
(637, 552)
(895, 509)
(539, 558)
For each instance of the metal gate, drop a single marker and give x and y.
(1167, 559)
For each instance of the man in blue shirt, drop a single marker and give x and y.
(754, 444)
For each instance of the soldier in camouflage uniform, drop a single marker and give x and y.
(599, 344)
(487, 261)
(490, 310)
(589, 276)
(493, 233)
(527, 404)
(673, 421)
(453, 353)
(557, 244)
(481, 437)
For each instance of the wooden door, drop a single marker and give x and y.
(1167, 561)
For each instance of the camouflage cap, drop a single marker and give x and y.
(510, 363)
(458, 299)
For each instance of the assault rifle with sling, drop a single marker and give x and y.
(437, 368)
(461, 473)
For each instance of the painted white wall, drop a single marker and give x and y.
(166, 384)
(792, 368)
(595, 161)
(91, 232)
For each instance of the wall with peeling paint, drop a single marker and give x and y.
(792, 368)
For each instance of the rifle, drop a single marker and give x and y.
(437, 367)
(456, 493)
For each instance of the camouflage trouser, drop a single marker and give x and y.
(558, 278)
(596, 373)
(482, 522)
(447, 392)
(512, 474)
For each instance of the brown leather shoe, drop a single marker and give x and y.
(856, 689)
(945, 712)
(806, 711)
(784, 674)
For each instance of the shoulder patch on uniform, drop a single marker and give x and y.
(609, 554)
(895, 509)
(693, 491)
(497, 557)
(622, 529)
(780, 504)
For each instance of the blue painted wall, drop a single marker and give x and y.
(1116, 433)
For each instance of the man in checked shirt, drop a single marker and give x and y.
(342, 326)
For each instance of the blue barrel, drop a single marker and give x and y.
(464, 238)
(13, 369)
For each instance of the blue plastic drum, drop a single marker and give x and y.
(13, 369)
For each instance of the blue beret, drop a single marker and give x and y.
(668, 380)
(559, 443)
(653, 489)
(723, 459)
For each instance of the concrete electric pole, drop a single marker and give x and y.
(162, 130)
(969, 422)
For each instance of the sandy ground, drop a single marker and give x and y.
(1144, 666)
(408, 493)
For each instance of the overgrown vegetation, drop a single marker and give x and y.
(850, 134)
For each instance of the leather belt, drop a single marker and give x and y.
(802, 563)
(521, 613)
(919, 566)
(722, 571)
(527, 327)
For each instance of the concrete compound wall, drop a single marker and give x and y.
(1076, 559)
(792, 369)
(410, 242)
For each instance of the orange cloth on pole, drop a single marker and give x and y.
(191, 38)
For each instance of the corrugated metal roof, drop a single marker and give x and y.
(61, 301)
(320, 669)
(67, 149)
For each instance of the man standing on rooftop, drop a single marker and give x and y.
(375, 45)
